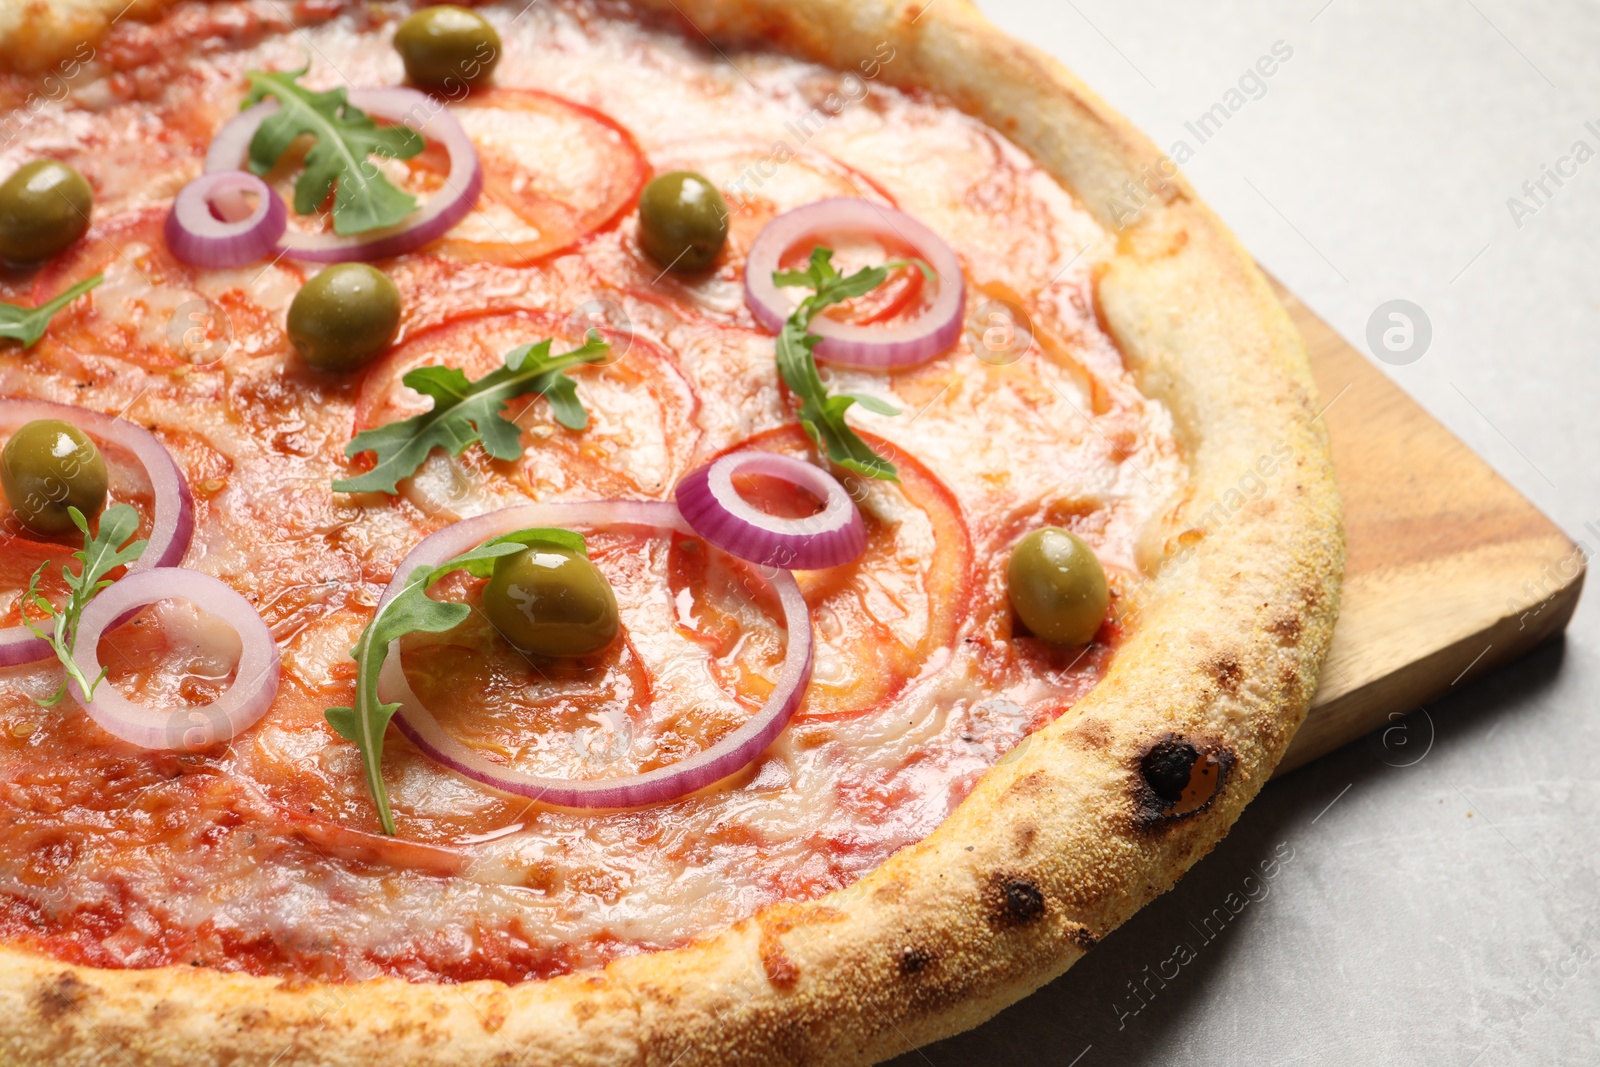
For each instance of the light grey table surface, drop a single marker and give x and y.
(1445, 912)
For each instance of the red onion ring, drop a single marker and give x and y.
(198, 237)
(714, 509)
(915, 341)
(725, 757)
(173, 520)
(185, 729)
(428, 223)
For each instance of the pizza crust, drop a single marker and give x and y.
(1061, 841)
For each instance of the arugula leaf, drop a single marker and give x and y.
(28, 324)
(822, 415)
(363, 199)
(465, 412)
(413, 611)
(100, 555)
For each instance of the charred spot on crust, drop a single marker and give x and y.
(1012, 900)
(915, 960)
(1178, 778)
(1168, 766)
(1084, 938)
(62, 994)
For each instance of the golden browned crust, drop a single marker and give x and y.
(1061, 842)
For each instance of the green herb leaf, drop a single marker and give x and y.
(413, 611)
(874, 404)
(103, 552)
(465, 412)
(363, 199)
(822, 415)
(28, 324)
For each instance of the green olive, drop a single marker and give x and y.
(551, 602)
(44, 207)
(1058, 587)
(344, 316)
(49, 466)
(447, 47)
(683, 221)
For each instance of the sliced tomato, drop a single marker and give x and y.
(1007, 654)
(554, 172)
(157, 312)
(569, 718)
(639, 704)
(776, 497)
(899, 296)
(877, 620)
(641, 434)
(169, 656)
(19, 559)
(724, 605)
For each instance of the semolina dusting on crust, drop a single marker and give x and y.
(1059, 844)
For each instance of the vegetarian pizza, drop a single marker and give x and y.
(592, 533)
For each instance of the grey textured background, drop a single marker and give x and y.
(1441, 913)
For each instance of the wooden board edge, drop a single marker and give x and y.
(1383, 700)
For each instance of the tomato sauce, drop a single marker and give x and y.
(264, 855)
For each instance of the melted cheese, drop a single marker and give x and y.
(261, 855)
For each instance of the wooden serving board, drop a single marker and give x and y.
(1450, 571)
